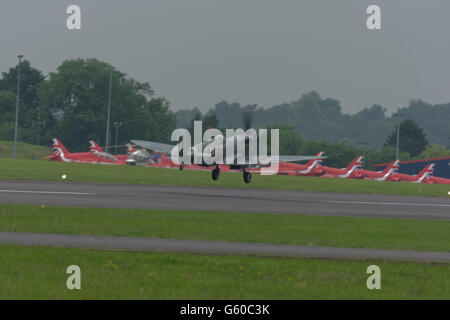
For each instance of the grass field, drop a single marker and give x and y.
(24, 150)
(380, 233)
(40, 273)
(46, 170)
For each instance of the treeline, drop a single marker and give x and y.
(322, 119)
(413, 144)
(312, 124)
(341, 154)
(71, 104)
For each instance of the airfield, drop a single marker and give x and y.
(160, 233)
(222, 199)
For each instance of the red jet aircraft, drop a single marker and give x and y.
(311, 168)
(437, 180)
(62, 154)
(331, 172)
(418, 178)
(377, 175)
(96, 149)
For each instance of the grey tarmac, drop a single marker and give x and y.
(217, 247)
(243, 200)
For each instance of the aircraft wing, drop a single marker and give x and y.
(262, 161)
(154, 146)
(299, 158)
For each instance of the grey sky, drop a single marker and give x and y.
(199, 52)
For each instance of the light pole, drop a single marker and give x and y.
(109, 111)
(364, 145)
(397, 149)
(20, 56)
(117, 125)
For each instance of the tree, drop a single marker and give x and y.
(30, 80)
(228, 114)
(434, 150)
(7, 106)
(185, 116)
(7, 103)
(412, 138)
(339, 154)
(31, 126)
(434, 119)
(385, 155)
(291, 142)
(197, 117)
(374, 113)
(322, 119)
(161, 121)
(210, 121)
(76, 99)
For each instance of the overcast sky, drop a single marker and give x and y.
(199, 52)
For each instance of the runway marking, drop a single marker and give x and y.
(389, 203)
(47, 192)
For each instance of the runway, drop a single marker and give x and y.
(222, 199)
(217, 247)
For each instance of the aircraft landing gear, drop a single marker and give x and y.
(247, 176)
(215, 173)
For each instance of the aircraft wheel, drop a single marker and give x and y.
(247, 177)
(215, 174)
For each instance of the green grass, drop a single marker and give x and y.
(383, 233)
(40, 273)
(46, 170)
(23, 151)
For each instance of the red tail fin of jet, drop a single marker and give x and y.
(130, 148)
(357, 162)
(425, 173)
(392, 166)
(320, 154)
(94, 146)
(57, 144)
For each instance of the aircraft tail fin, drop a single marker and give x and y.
(57, 144)
(317, 162)
(94, 146)
(130, 148)
(427, 171)
(393, 166)
(358, 162)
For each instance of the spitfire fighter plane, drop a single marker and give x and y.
(206, 151)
